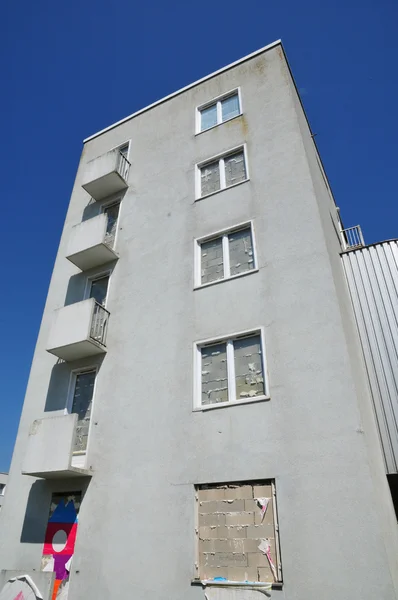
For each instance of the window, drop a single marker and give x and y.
(112, 212)
(80, 402)
(237, 532)
(218, 111)
(221, 172)
(98, 288)
(230, 370)
(226, 255)
(124, 150)
(2, 489)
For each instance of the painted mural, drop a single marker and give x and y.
(59, 542)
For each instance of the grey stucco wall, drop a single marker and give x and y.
(379, 490)
(147, 447)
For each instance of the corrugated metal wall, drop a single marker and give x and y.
(372, 274)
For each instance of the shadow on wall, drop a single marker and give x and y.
(36, 517)
(57, 392)
(76, 288)
(39, 503)
(58, 388)
(91, 210)
(77, 283)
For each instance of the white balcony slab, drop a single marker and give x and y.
(87, 248)
(71, 332)
(49, 449)
(106, 175)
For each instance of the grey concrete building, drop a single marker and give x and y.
(199, 416)
(3, 485)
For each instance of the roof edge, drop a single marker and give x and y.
(184, 89)
(349, 250)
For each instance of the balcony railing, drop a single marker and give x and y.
(352, 237)
(106, 175)
(99, 324)
(79, 330)
(123, 166)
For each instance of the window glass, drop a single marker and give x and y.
(214, 374)
(208, 117)
(99, 289)
(124, 150)
(211, 260)
(210, 178)
(240, 251)
(112, 212)
(249, 374)
(235, 169)
(82, 400)
(230, 107)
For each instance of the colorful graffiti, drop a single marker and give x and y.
(59, 541)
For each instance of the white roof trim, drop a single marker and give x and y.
(184, 89)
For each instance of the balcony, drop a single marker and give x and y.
(91, 244)
(352, 237)
(106, 175)
(79, 330)
(49, 449)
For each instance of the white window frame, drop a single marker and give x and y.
(217, 101)
(220, 157)
(222, 233)
(106, 204)
(69, 405)
(2, 488)
(197, 370)
(91, 278)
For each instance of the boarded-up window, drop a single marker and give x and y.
(241, 257)
(232, 370)
(218, 111)
(235, 169)
(214, 374)
(227, 170)
(237, 532)
(226, 255)
(249, 376)
(211, 255)
(210, 178)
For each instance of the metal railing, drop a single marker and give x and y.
(99, 324)
(352, 237)
(123, 165)
(110, 236)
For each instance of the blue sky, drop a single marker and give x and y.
(71, 68)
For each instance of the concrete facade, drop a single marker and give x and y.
(315, 436)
